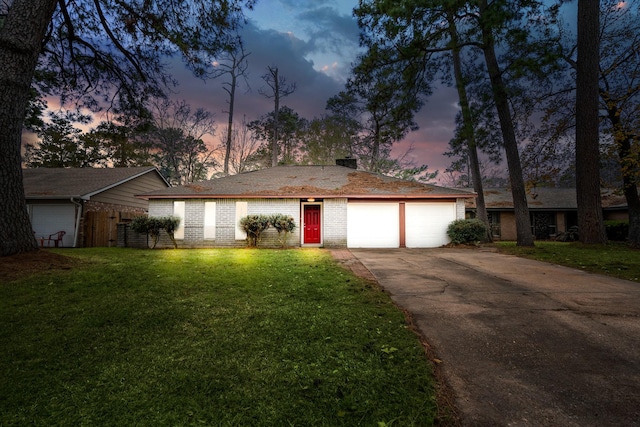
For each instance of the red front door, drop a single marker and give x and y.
(311, 224)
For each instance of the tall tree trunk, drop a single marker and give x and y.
(521, 209)
(232, 96)
(590, 216)
(21, 36)
(468, 128)
(630, 186)
(633, 205)
(627, 160)
(276, 114)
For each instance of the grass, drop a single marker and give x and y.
(208, 337)
(613, 259)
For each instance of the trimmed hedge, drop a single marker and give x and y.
(462, 231)
(255, 225)
(152, 226)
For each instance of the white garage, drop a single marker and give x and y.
(48, 219)
(426, 224)
(394, 225)
(373, 225)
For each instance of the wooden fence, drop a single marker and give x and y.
(101, 227)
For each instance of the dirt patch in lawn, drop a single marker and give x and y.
(27, 264)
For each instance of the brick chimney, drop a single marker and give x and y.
(347, 162)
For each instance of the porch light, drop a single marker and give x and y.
(311, 199)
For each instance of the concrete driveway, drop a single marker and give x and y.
(521, 342)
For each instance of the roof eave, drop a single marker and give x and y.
(56, 197)
(306, 196)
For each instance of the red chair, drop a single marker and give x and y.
(56, 238)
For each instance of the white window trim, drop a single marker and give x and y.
(179, 210)
(209, 220)
(242, 209)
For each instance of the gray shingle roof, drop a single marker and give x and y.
(64, 183)
(306, 182)
(544, 198)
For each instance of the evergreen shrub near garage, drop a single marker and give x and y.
(464, 231)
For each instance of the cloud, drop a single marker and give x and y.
(268, 48)
(315, 54)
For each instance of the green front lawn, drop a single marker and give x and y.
(207, 337)
(614, 259)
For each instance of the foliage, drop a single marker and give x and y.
(253, 226)
(122, 141)
(233, 63)
(278, 88)
(464, 231)
(152, 226)
(210, 337)
(287, 129)
(571, 235)
(284, 224)
(98, 51)
(62, 145)
(176, 137)
(613, 259)
(244, 145)
(326, 139)
(507, 47)
(617, 230)
(97, 54)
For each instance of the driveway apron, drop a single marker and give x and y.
(521, 342)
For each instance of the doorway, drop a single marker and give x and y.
(312, 224)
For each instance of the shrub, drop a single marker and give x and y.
(152, 226)
(571, 235)
(254, 225)
(617, 230)
(284, 224)
(463, 231)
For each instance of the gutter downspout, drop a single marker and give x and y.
(78, 217)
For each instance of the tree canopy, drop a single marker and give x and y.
(93, 53)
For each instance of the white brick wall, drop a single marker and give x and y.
(335, 222)
(272, 206)
(160, 207)
(226, 221)
(460, 209)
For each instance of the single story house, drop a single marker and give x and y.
(86, 203)
(553, 210)
(333, 206)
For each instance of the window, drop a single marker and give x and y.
(241, 211)
(543, 224)
(179, 211)
(494, 222)
(209, 220)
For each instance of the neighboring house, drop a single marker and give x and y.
(86, 203)
(333, 206)
(553, 210)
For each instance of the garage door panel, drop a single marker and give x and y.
(426, 224)
(373, 225)
(49, 219)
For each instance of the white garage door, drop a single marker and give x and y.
(426, 224)
(49, 219)
(373, 225)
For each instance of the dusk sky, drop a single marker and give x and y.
(313, 43)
